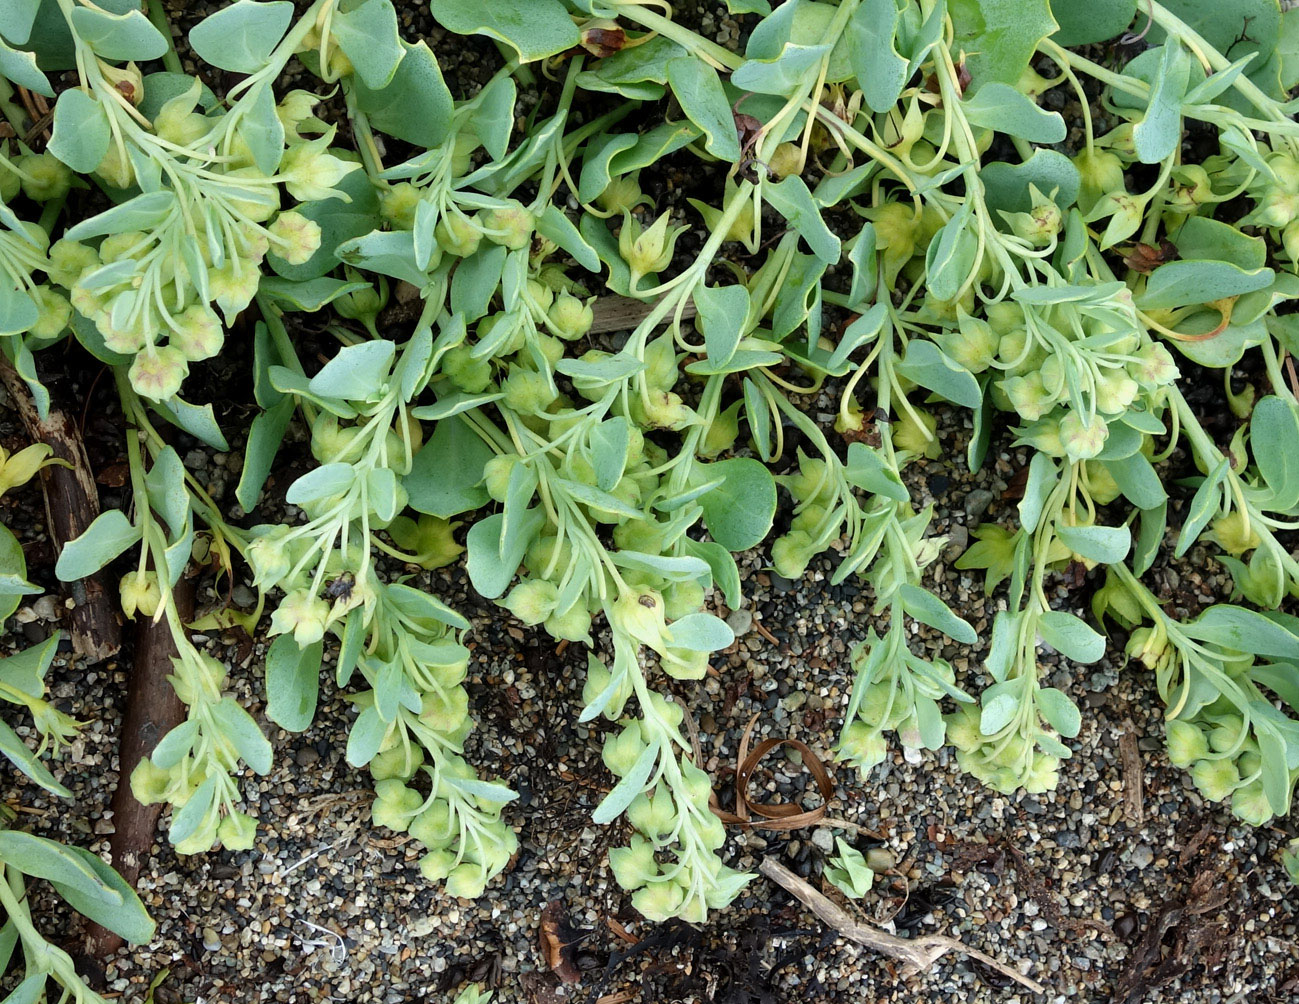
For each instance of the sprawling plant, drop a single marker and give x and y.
(897, 219)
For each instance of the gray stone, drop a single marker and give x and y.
(977, 502)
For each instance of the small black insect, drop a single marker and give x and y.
(341, 587)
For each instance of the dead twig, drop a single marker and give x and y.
(152, 710)
(71, 505)
(1133, 794)
(918, 954)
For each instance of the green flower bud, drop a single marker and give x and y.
(256, 203)
(646, 250)
(1100, 172)
(398, 203)
(809, 519)
(1191, 189)
(202, 839)
(1101, 485)
(294, 237)
(1044, 434)
(1029, 395)
(1115, 391)
(527, 391)
(400, 762)
(232, 286)
(47, 177)
(812, 483)
(656, 816)
(468, 374)
(791, 554)
(598, 679)
(68, 260)
(1186, 743)
(496, 475)
(1290, 241)
(436, 865)
(785, 160)
(663, 410)
(1250, 804)
(569, 317)
(429, 538)
(117, 171)
(552, 350)
(850, 418)
(1216, 779)
(445, 712)
(622, 194)
(1081, 439)
(963, 729)
(437, 826)
(140, 593)
(10, 183)
(685, 663)
(466, 881)
(532, 601)
(302, 613)
(1040, 226)
(511, 225)
(1234, 533)
(914, 433)
(149, 782)
(633, 866)
(741, 227)
(1153, 366)
(458, 235)
(574, 624)
(395, 804)
(721, 434)
(682, 598)
(157, 373)
(862, 746)
(973, 345)
(196, 333)
(310, 173)
(237, 831)
(659, 900)
(621, 752)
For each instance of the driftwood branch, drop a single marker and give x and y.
(152, 710)
(71, 505)
(918, 954)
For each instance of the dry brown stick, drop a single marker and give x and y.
(917, 953)
(71, 505)
(1134, 799)
(152, 710)
(622, 313)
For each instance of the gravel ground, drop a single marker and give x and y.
(1064, 886)
(1061, 885)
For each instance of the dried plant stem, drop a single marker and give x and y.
(919, 954)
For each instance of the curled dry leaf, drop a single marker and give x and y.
(557, 942)
(775, 815)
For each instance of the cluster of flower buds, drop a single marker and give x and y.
(1051, 355)
(154, 293)
(1006, 764)
(1276, 201)
(673, 811)
(1219, 749)
(423, 786)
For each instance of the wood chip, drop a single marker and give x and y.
(1134, 799)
